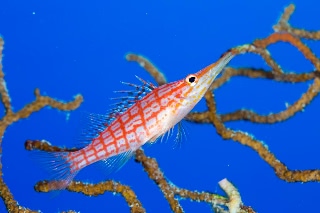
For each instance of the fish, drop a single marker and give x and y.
(143, 116)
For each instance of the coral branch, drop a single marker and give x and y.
(284, 26)
(148, 66)
(87, 189)
(151, 167)
(306, 98)
(286, 37)
(5, 98)
(154, 172)
(281, 170)
(45, 146)
(264, 53)
(235, 202)
(41, 102)
(10, 117)
(99, 189)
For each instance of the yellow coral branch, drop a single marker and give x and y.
(10, 117)
(148, 66)
(284, 26)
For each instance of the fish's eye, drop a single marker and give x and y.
(191, 80)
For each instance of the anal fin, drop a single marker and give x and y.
(114, 163)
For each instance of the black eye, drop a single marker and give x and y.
(192, 79)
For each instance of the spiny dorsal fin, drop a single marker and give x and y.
(93, 124)
(130, 98)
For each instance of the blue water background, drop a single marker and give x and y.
(71, 47)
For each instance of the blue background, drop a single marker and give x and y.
(70, 47)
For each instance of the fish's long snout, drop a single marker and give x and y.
(214, 69)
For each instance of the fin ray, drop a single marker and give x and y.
(91, 124)
(132, 96)
(180, 135)
(58, 165)
(114, 163)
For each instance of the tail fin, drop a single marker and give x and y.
(59, 166)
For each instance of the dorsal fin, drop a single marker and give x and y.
(131, 97)
(93, 124)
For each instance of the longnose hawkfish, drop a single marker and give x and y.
(146, 114)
